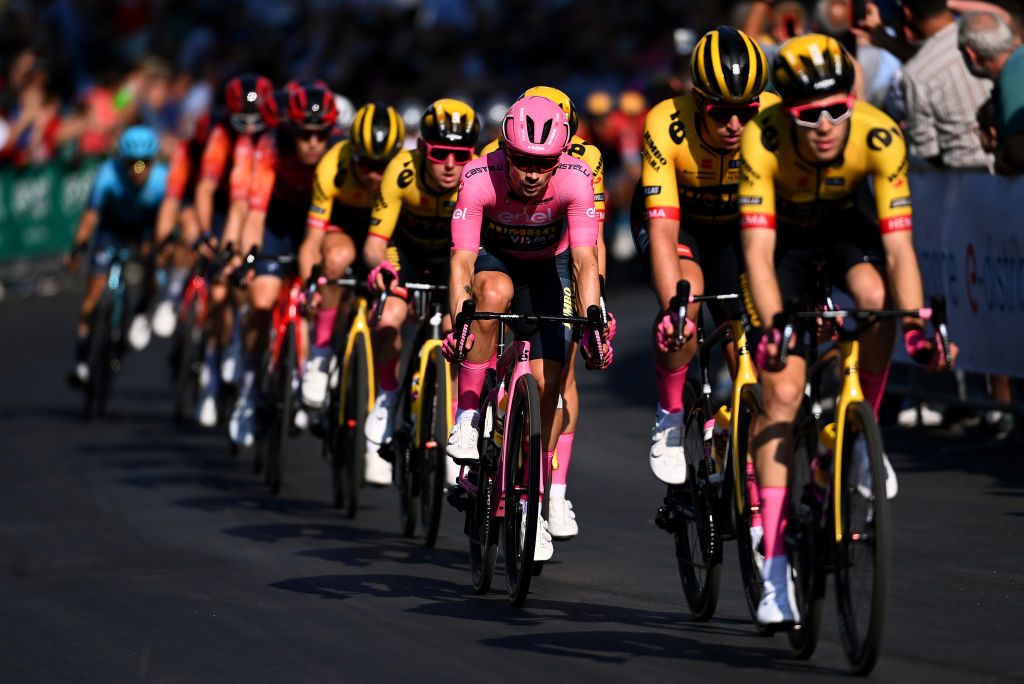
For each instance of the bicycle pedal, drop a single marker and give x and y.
(667, 518)
(458, 498)
(465, 461)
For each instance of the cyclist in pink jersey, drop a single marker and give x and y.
(524, 236)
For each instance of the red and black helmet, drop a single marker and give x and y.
(247, 97)
(311, 105)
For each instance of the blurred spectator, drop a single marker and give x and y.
(942, 96)
(994, 52)
(34, 119)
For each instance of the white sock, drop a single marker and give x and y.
(558, 490)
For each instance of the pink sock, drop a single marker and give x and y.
(564, 455)
(773, 504)
(754, 496)
(325, 319)
(873, 385)
(471, 383)
(670, 388)
(387, 375)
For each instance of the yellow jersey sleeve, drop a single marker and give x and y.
(887, 163)
(489, 147)
(758, 166)
(398, 175)
(323, 189)
(664, 138)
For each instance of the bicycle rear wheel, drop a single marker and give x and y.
(751, 558)
(281, 407)
(481, 528)
(804, 539)
(697, 544)
(433, 427)
(350, 457)
(862, 555)
(188, 352)
(522, 487)
(405, 459)
(97, 390)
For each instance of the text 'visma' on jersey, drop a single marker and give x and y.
(409, 214)
(777, 182)
(684, 177)
(124, 208)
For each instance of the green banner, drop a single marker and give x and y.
(40, 207)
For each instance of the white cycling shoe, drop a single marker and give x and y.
(668, 462)
(378, 471)
(139, 332)
(862, 470)
(462, 441)
(165, 320)
(378, 424)
(242, 425)
(315, 375)
(543, 548)
(231, 366)
(778, 602)
(561, 518)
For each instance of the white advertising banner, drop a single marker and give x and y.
(969, 235)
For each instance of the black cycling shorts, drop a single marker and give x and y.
(540, 286)
(713, 247)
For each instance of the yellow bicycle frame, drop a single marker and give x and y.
(850, 393)
(745, 375)
(358, 333)
(426, 351)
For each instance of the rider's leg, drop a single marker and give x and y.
(492, 291)
(866, 285)
(337, 253)
(95, 284)
(570, 417)
(263, 296)
(548, 373)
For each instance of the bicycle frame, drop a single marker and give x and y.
(745, 375)
(425, 351)
(851, 392)
(196, 291)
(358, 333)
(286, 312)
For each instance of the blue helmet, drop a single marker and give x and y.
(138, 142)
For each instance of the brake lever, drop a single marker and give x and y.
(462, 322)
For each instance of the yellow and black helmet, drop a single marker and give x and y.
(811, 66)
(727, 66)
(450, 122)
(378, 132)
(560, 99)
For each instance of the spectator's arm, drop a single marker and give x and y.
(758, 17)
(922, 138)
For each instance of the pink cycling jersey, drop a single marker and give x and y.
(489, 212)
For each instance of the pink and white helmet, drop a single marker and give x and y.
(537, 127)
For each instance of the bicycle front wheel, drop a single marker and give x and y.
(281, 405)
(522, 487)
(862, 554)
(481, 527)
(188, 353)
(350, 455)
(101, 354)
(697, 544)
(751, 557)
(433, 428)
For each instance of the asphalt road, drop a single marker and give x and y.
(134, 549)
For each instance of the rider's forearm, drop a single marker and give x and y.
(205, 189)
(375, 250)
(166, 218)
(460, 279)
(584, 266)
(86, 226)
(758, 252)
(664, 237)
(904, 275)
(252, 230)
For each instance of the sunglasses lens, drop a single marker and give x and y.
(372, 164)
(439, 153)
(525, 162)
(723, 115)
(837, 110)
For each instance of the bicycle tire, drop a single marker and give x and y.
(522, 487)
(404, 459)
(804, 539)
(481, 527)
(188, 353)
(281, 406)
(433, 421)
(97, 390)
(698, 548)
(353, 451)
(751, 560)
(865, 538)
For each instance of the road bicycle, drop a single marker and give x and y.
(423, 419)
(122, 298)
(837, 522)
(718, 499)
(502, 489)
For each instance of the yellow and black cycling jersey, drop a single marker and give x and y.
(584, 151)
(683, 176)
(409, 214)
(339, 199)
(778, 184)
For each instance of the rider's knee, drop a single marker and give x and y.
(493, 294)
(336, 258)
(783, 396)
